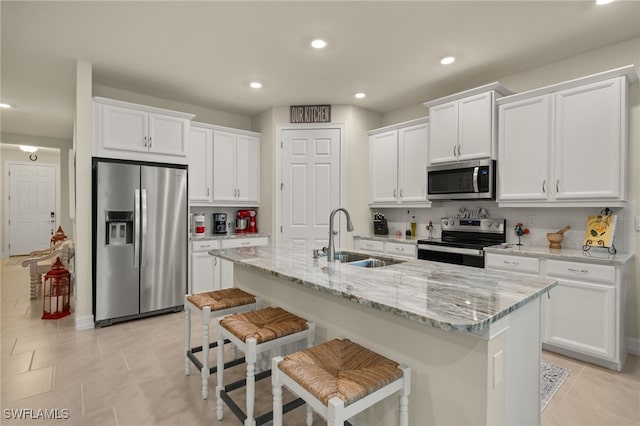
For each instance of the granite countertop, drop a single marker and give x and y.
(449, 297)
(594, 255)
(226, 236)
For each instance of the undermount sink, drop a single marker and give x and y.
(365, 260)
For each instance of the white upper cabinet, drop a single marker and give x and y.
(236, 168)
(565, 145)
(200, 164)
(397, 165)
(462, 126)
(129, 131)
(224, 166)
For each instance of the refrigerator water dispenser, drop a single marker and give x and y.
(119, 227)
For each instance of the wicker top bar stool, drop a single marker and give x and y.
(209, 305)
(267, 329)
(339, 379)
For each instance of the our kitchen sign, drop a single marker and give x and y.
(311, 114)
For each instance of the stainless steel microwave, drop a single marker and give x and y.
(462, 180)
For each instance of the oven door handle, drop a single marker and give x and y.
(447, 249)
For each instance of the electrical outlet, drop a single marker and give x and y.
(531, 220)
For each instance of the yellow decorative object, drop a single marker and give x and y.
(600, 230)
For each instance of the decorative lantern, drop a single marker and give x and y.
(57, 292)
(58, 236)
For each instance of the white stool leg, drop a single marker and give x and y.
(335, 415)
(251, 357)
(187, 338)
(404, 395)
(309, 415)
(206, 319)
(220, 373)
(277, 392)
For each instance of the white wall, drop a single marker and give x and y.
(606, 58)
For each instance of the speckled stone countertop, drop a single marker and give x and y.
(448, 297)
(390, 238)
(594, 255)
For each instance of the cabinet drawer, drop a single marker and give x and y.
(399, 249)
(206, 245)
(245, 242)
(528, 265)
(581, 271)
(371, 245)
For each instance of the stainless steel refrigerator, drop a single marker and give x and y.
(140, 234)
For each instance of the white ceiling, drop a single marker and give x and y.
(205, 53)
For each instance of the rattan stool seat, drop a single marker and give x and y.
(339, 379)
(221, 299)
(340, 368)
(264, 325)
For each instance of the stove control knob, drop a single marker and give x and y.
(445, 222)
(490, 224)
(498, 225)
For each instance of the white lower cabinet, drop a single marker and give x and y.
(408, 250)
(583, 316)
(210, 272)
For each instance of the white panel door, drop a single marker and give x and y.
(475, 127)
(413, 155)
(224, 166)
(383, 167)
(524, 141)
(310, 184)
(32, 201)
(124, 129)
(248, 168)
(443, 133)
(200, 164)
(588, 140)
(167, 135)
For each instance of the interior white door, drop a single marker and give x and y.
(32, 207)
(310, 184)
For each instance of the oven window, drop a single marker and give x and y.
(454, 258)
(456, 181)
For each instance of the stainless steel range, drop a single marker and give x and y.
(463, 241)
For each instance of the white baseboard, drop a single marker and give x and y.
(84, 323)
(633, 346)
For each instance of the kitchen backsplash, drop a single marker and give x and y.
(538, 220)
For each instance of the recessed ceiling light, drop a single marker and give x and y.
(360, 95)
(447, 60)
(27, 148)
(255, 85)
(5, 106)
(601, 2)
(318, 43)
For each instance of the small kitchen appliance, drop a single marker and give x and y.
(463, 240)
(198, 224)
(246, 222)
(462, 180)
(219, 223)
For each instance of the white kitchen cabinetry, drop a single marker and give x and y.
(584, 315)
(224, 166)
(236, 168)
(397, 165)
(205, 269)
(129, 131)
(395, 248)
(210, 272)
(462, 126)
(200, 164)
(565, 145)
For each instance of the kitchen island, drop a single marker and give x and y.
(471, 336)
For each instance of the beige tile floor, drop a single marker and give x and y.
(133, 373)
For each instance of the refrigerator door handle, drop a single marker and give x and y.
(143, 218)
(136, 228)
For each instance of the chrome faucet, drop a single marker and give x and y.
(331, 250)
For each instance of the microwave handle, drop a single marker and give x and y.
(475, 179)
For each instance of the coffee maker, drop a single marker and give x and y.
(246, 222)
(219, 223)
